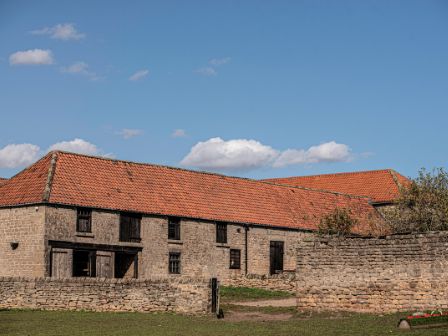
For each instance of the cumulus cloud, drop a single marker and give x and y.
(326, 152)
(206, 71)
(21, 155)
(138, 75)
(233, 155)
(179, 133)
(127, 133)
(243, 155)
(64, 32)
(217, 62)
(79, 146)
(32, 57)
(80, 68)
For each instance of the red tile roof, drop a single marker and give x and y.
(380, 185)
(2, 179)
(122, 185)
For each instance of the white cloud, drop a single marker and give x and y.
(32, 57)
(217, 62)
(206, 71)
(80, 68)
(64, 32)
(326, 152)
(233, 155)
(14, 156)
(179, 133)
(127, 133)
(242, 155)
(79, 146)
(139, 75)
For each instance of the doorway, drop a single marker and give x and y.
(276, 256)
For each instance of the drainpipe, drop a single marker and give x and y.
(246, 228)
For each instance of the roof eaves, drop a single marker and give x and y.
(49, 181)
(208, 173)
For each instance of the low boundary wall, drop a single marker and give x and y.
(177, 294)
(407, 272)
(276, 282)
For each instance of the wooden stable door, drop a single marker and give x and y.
(104, 264)
(61, 263)
(276, 256)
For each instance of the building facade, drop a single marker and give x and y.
(71, 215)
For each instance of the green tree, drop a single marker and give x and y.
(422, 205)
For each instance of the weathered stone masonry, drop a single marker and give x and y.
(182, 294)
(391, 273)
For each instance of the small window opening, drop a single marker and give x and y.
(83, 223)
(83, 263)
(235, 259)
(174, 263)
(221, 232)
(174, 228)
(130, 227)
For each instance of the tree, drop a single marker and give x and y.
(422, 205)
(338, 222)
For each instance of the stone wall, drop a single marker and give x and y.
(276, 282)
(392, 273)
(25, 226)
(182, 294)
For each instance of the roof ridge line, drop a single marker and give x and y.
(50, 175)
(209, 173)
(394, 176)
(345, 173)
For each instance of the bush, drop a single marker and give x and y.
(338, 222)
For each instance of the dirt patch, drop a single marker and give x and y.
(286, 302)
(253, 316)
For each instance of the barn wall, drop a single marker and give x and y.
(25, 226)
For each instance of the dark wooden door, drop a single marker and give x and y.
(276, 256)
(215, 295)
(61, 263)
(104, 264)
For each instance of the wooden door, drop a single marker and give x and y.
(61, 263)
(276, 256)
(104, 264)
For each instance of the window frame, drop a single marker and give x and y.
(82, 216)
(231, 256)
(221, 232)
(137, 221)
(174, 224)
(176, 262)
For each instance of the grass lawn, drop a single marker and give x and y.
(75, 323)
(253, 321)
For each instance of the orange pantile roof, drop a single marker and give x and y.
(2, 179)
(128, 186)
(381, 185)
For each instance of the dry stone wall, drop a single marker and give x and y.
(391, 273)
(276, 282)
(182, 295)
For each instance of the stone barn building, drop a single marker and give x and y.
(71, 215)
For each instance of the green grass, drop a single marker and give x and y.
(50, 323)
(229, 293)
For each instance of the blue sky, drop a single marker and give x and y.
(258, 89)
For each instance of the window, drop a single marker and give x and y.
(130, 227)
(84, 220)
(235, 259)
(174, 228)
(174, 263)
(221, 232)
